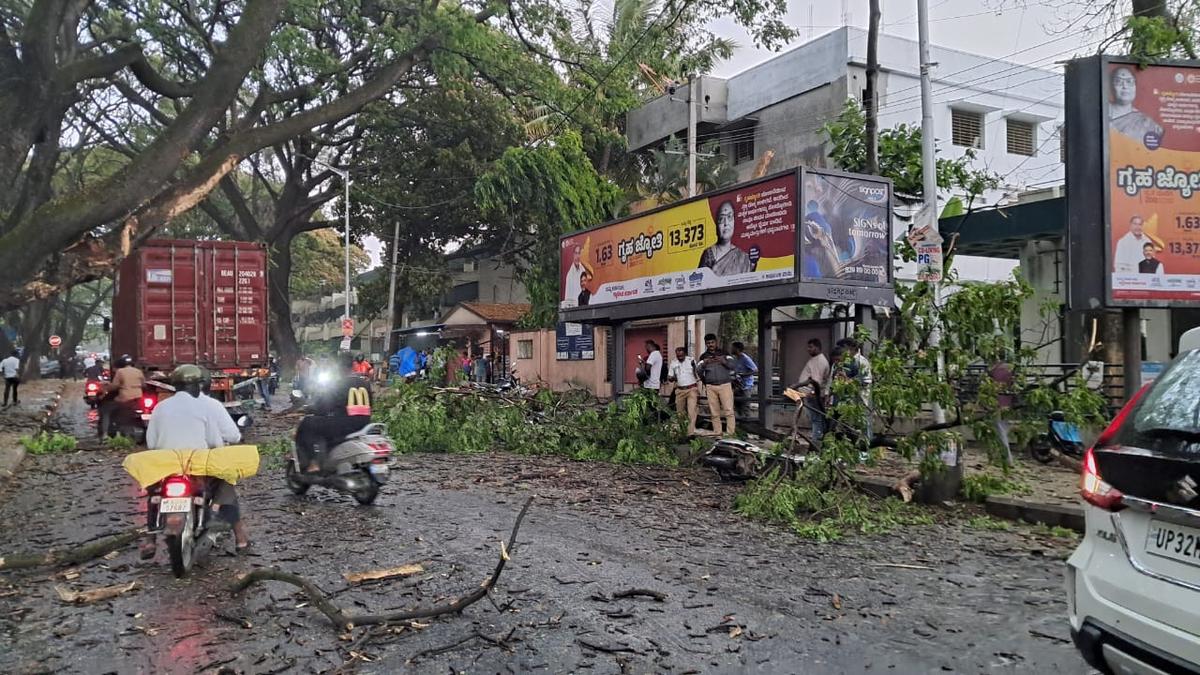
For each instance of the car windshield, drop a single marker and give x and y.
(1173, 403)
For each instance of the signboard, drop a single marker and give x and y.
(1153, 132)
(574, 341)
(55, 341)
(927, 243)
(847, 229)
(347, 328)
(738, 237)
(345, 346)
(1151, 370)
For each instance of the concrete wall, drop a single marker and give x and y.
(665, 115)
(560, 375)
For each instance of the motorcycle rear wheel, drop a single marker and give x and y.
(1040, 449)
(180, 548)
(294, 485)
(367, 495)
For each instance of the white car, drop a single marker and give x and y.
(1133, 585)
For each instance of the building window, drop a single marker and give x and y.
(524, 349)
(966, 128)
(743, 148)
(468, 266)
(1021, 139)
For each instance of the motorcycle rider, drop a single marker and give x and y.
(191, 420)
(339, 409)
(363, 367)
(122, 394)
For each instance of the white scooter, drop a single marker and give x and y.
(358, 465)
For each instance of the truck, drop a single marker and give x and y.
(203, 302)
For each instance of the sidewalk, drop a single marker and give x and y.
(38, 401)
(1049, 493)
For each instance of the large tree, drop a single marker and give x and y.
(203, 90)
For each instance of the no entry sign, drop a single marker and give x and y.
(55, 341)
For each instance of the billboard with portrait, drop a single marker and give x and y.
(743, 236)
(846, 229)
(1153, 117)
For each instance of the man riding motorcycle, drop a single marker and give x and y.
(123, 393)
(339, 409)
(191, 420)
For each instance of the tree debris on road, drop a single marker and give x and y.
(72, 556)
(93, 594)
(375, 575)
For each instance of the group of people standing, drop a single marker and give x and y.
(726, 379)
(848, 363)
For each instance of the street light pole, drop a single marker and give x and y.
(346, 209)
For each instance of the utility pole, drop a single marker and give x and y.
(346, 211)
(872, 93)
(691, 139)
(391, 324)
(929, 169)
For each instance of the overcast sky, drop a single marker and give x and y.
(1033, 33)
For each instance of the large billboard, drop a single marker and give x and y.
(1152, 116)
(846, 229)
(739, 237)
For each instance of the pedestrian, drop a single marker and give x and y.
(682, 373)
(262, 377)
(715, 370)
(466, 365)
(814, 382)
(1002, 374)
(744, 371)
(862, 369)
(650, 367)
(11, 369)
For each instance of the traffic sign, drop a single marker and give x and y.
(347, 327)
(55, 341)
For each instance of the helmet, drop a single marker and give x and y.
(360, 358)
(124, 360)
(187, 374)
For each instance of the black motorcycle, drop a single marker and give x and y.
(1060, 435)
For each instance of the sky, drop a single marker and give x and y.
(1024, 31)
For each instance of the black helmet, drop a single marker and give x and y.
(124, 360)
(360, 358)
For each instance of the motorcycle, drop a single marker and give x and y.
(93, 389)
(1060, 435)
(358, 465)
(735, 460)
(184, 511)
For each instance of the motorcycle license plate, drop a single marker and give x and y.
(379, 469)
(175, 505)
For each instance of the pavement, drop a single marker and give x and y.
(738, 596)
(39, 400)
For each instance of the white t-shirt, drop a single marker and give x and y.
(11, 366)
(573, 285)
(1129, 253)
(654, 370)
(683, 371)
(186, 423)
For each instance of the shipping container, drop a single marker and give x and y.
(201, 302)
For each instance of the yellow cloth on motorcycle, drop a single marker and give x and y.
(230, 464)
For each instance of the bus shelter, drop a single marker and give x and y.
(798, 237)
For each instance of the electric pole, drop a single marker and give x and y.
(929, 171)
(691, 139)
(872, 93)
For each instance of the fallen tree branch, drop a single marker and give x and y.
(71, 556)
(343, 620)
(643, 592)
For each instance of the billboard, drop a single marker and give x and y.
(738, 237)
(1152, 119)
(846, 229)
(574, 341)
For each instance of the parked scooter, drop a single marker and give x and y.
(1060, 435)
(358, 465)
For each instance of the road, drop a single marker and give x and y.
(739, 597)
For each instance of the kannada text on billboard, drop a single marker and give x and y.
(846, 230)
(741, 236)
(1154, 178)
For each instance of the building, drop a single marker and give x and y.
(1010, 115)
(477, 275)
(318, 321)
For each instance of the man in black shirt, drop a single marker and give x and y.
(1149, 264)
(338, 410)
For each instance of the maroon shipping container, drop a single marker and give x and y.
(202, 302)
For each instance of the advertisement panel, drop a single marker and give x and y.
(574, 341)
(1153, 132)
(846, 231)
(738, 237)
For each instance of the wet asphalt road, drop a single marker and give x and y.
(739, 597)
